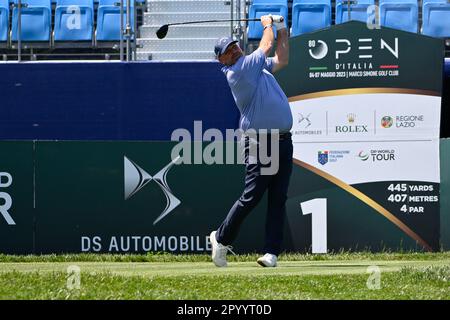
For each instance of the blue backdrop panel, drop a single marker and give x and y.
(120, 101)
(112, 101)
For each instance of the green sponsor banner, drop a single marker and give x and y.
(108, 196)
(366, 110)
(351, 224)
(445, 194)
(16, 197)
(351, 55)
(126, 197)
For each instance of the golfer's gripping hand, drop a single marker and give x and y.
(266, 20)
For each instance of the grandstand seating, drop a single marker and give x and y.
(74, 20)
(264, 7)
(36, 20)
(108, 20)
(102, 19)
(436, 18)
(399, 14)
(4, 20)
(310, 15)
(358, 10)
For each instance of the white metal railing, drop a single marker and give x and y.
(238, 9)
(127, 31)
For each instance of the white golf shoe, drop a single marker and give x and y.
(219, 251)
(268, 260)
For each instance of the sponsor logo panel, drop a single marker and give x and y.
(377, 155)
(135, 178)
(325, 156)
(402, 121)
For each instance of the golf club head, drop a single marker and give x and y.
(162, 32)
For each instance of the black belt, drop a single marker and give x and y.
(285, 135)
(281, 136)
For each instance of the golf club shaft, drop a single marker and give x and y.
(209, 21)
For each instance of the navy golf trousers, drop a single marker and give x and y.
(255, 186)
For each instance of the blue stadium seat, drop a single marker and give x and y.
(74, 20)
(108, 20)
(310, 15)
(399, 14)
(358, 10)
(4, 20)
(264, 7)
(436, 18)
(36, 20)
(96, 1)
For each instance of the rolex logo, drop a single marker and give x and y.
(351, 117)
(136, 178)
(351, 127)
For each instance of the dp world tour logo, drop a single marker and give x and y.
(322, 157)
(136, 178)
(363, 156)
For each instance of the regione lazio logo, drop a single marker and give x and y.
(386, 122)
(322, 157)
(136, 178)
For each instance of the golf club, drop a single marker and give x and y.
(162, 32)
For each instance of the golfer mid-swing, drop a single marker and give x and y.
(263, 105)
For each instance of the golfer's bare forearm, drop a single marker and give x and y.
(282, 51)
(266, 43)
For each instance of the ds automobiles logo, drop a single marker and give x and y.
(5, 199)
(305, 120)
(136, 178)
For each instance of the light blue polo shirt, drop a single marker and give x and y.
(262, 103)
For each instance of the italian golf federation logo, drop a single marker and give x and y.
(363, 156)
(386, 122)
(322, 157)
(136, 178)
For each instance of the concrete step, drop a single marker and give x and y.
(160, 18)
(175, 55)
(188, 31)
(188, 6)
(177, 44)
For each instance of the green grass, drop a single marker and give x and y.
(165, 276)
(168, 257)
(405, 284)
